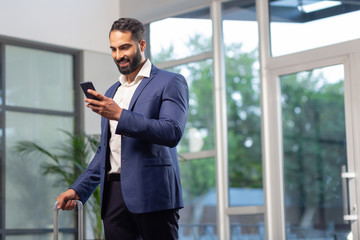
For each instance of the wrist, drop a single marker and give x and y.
(74, 194)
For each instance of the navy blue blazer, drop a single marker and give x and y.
(150, 130)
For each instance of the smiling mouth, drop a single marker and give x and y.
(123, 62)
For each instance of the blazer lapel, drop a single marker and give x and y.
(105, 122)
(112, 91)
(144, 82)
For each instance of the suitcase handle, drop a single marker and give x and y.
(80, 220)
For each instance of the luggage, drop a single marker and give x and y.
(80, 220)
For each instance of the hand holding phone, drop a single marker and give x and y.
(109, 109)
(88, 85)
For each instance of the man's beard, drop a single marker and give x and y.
(134, 64)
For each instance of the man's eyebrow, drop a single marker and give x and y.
(121, 46)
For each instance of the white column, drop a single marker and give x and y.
(271, 132)
(223, 225)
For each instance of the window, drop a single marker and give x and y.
(314, 142)
(243, 104)
(182, 44)
(37, 101)
(240, 31)
(301, 25)
(181, 36)
(310, 202)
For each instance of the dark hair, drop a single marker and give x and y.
(132, 25)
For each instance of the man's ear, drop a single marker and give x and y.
(142, 45)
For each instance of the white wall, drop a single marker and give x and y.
(81, 24)
(102, 71)
(152, 10)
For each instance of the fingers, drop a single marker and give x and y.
(66, 200)
(60, 201)
(107, 107)
(96, 94)
(93, 102)
(69, 205)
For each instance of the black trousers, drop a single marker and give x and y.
(121, 224)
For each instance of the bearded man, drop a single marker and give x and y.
(143, 120)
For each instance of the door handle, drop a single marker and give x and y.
(345, 176)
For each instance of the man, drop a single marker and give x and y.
(143, 119)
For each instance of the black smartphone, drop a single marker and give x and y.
(88, 85)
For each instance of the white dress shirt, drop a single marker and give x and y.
(123, 97)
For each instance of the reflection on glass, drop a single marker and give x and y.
(199, 131)
(198, 217)
(247, 227)
(301, 25)
(181, 36)
(314, 151)
(24, 179)
(38, 79)
(243, 105)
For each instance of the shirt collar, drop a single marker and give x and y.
(144, 72)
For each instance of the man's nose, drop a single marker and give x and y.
(118, 55)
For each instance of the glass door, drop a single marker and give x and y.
(317, 203)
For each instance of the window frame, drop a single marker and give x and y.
(77, 114)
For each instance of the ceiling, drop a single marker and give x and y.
(280, 10)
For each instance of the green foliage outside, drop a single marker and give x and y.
(243, 109)
(314, 143)
(243, 114)
(312, 158)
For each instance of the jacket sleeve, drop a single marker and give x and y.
(169, 127)
(87, 182)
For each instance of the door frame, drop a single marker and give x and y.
(348, 54)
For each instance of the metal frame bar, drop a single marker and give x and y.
(247, 210)
(271, 132)
(2, 139)
(37, 45)
(352, 113)
(24, 231)
(78, 77)
(313, 55)
(353, 102)
(220, 122)
(196, 155)
(147, 40)
(40, 111)
(3, 143)
(194, 58)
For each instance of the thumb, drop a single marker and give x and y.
(60, 201)
(62, 198)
